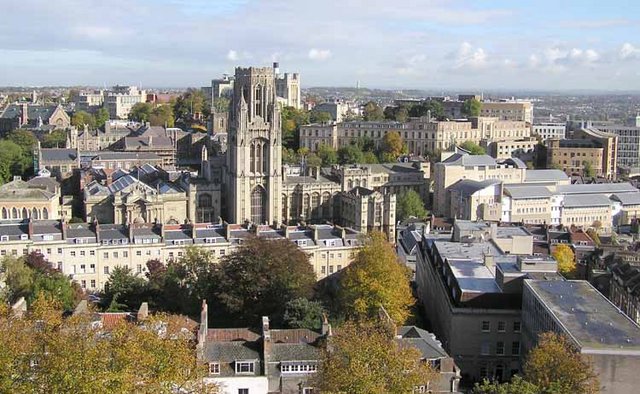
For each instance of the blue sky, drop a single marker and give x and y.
(437, 44)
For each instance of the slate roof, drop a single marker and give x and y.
(423, 340)
(627, 198)
(586, 200)
(545, 175)
(467, 187)
(46, 182)
(33, 111)
(524, 192)
(592, 188)
(231, 351)
(294, 352)
(55, 154)
(460, 159)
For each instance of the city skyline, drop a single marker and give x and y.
(405, 44)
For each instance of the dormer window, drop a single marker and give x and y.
(245, 367)
(24, 237)
(214, 368)
(4, 237)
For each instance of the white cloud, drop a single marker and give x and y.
(469, 57)
(232, 55)
(319, 54)
(628, 52)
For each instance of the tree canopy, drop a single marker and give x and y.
(364, 358)
(55, 139)
(31, 276)
(259, 278)
(141, 112)
(101, 116)
(554, 366)
(303, 313)
(327, 154)
(566, 259)
(82, 118)
(320, 117)
(372, 112)
(473, 148)
(408, 204)
(471, 107)
(364, 286)
(71, 355)
(292, 119)
(392, 146)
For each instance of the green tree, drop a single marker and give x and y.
(141, 112)
(82, 118)
(364, 284)
(556, 366)
(327, 154)
(392, 146)
(12, 160)
(587, 169)
(517, 386)
(593, 234)
(566, 259)
(101, 117)
(221, 104)
(350, 154)
(162, 115)
(17, 277)
(55, 139)
(422, 109)
(408, 204)
(320, 117)
(369, 157)
(372, 112)
(292, 119)
(473, 148)
(124, 287)
(471, 108)
(259, 278)
(365, 358)
(302, 313)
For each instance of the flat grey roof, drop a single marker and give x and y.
(545, 175)
(627, 198)
(518, 192)
(587, 315)
(473, 276)
(595, 188)
(467, 187)
(586, 200)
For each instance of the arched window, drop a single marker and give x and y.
(326, 205)
(34, 214)
(45, 213)
(25, 213)
(204, 201)
(5, 213)
(14, 213)
(315, 204)
(285, 208)
(306, 206)
(350, 184)
(257, 99)
(265, 156)
(258, 198)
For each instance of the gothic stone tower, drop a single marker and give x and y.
(254, 154)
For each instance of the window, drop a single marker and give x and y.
(93, 283)
(115, 255)
(500, 348)
(486, 326)
(484, 348)
(516, 326)
(125, 254)
(82, 252)
(244, 366)
(222, 252)
(138, 253)
(92, 253)
(82, 268)
(92, 267)
(73, 253)
(307, 390)
(515, 348)
(59, 250)
(243, 391)
(106, 270)
(502, 326)
(139, 268)
(214, 368)
(83, 284)
(105, 255)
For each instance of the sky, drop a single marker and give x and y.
(399, 44)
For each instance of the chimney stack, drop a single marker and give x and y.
(266, 345)
(326, 327)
